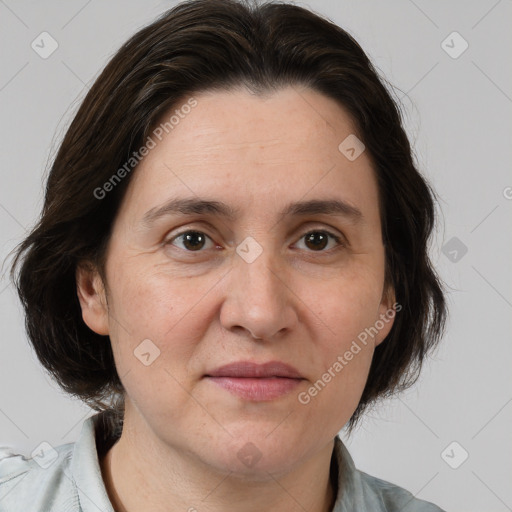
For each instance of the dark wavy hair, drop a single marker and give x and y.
(196, 46)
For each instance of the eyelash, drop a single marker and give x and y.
(336, 238)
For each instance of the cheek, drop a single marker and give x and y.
(341, 358)
(158, 323)
(348, 350)
(170, 312)
(152, 302)
(345, 311)
(347, 304)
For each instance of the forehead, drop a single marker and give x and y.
(250, 149)
(281, 123)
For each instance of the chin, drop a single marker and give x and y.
(254, 455)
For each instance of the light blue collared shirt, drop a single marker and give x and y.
(68, 478)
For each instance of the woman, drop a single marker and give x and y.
(231, 265)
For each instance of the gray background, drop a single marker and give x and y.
(458, 115)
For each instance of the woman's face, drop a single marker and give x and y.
(283, 279)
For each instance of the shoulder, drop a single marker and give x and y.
(57, 479)
(358, 490)
(394, 498)
(37, 481)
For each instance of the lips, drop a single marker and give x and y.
(256, 382)
(247, 369)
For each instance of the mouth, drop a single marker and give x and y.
(256, 382)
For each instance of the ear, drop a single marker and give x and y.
(388, 309)
(92, 297)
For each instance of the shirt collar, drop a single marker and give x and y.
(349, 494)
(86, 471)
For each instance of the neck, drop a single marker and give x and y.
(140, 473)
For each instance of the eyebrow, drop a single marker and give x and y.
(199, 206)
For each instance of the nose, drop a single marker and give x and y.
(259, 298)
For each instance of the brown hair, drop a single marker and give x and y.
(204, 45)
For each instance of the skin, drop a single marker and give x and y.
(297, 302)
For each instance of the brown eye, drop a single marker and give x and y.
(317, 241)
(193, 241)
